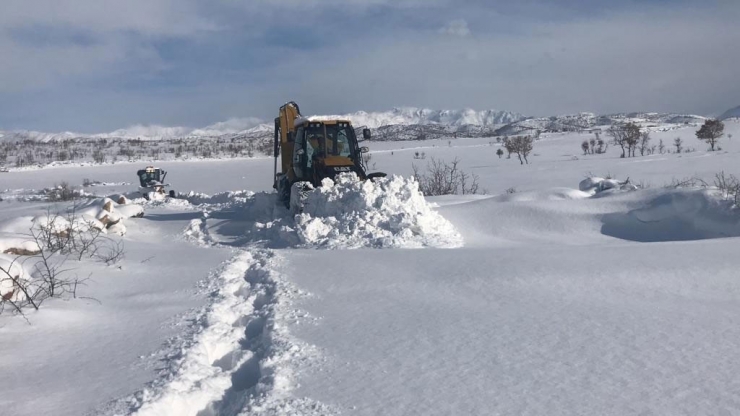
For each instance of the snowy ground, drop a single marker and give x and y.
(554, 302)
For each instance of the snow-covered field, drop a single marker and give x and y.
(548, 300)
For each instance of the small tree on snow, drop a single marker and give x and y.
(585, 147)
(710, 132)
(644, 142)
(678, 142)
(632, 137)
(618, 135)
(522, 146)
(499, 152)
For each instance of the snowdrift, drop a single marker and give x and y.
(679, 215)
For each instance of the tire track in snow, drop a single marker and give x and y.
(243, 360)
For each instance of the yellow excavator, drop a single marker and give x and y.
(311, 150)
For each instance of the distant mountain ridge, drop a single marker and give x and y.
(584, 121)
(731, 113)
(403, 123)
(410, 116)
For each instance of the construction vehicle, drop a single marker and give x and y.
(312, 150)
(152, 186)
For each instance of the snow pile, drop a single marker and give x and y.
(595, 185)
(220, 198)
(99, 214)
(388, 212)
(198, 232)
(11, 270)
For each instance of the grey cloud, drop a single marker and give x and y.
(669, 62)
(657, 59)
(457, 27)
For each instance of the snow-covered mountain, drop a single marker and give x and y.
(583, 121)
(151, 132)
(405, 123)
(411, 116)
(731, 113)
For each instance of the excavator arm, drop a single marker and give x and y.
(284, 139)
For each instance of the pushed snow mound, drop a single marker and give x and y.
(348, 213)
(386, 212)
(681, 215)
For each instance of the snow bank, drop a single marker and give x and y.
(100, 214)
(677, 215)
(387, 212)
(220, 198)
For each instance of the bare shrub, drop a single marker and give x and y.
(442, 178)
(688, 182)
(59, 238)
(62, 193)
(729, 185)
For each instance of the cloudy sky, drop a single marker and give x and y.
(98, 65)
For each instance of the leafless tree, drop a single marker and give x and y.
(522, 146)
(626, 136)
(644, 142)
(632, 137)
(585, 147)
(678, 143)
(618, 136)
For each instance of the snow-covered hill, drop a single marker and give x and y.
(731, 113)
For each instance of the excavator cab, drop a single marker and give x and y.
(150, 176)
(323, 149)
(152, 186)
(311, 150)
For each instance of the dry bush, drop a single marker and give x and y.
(60, 238)
(442, 178)
(729, 185)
